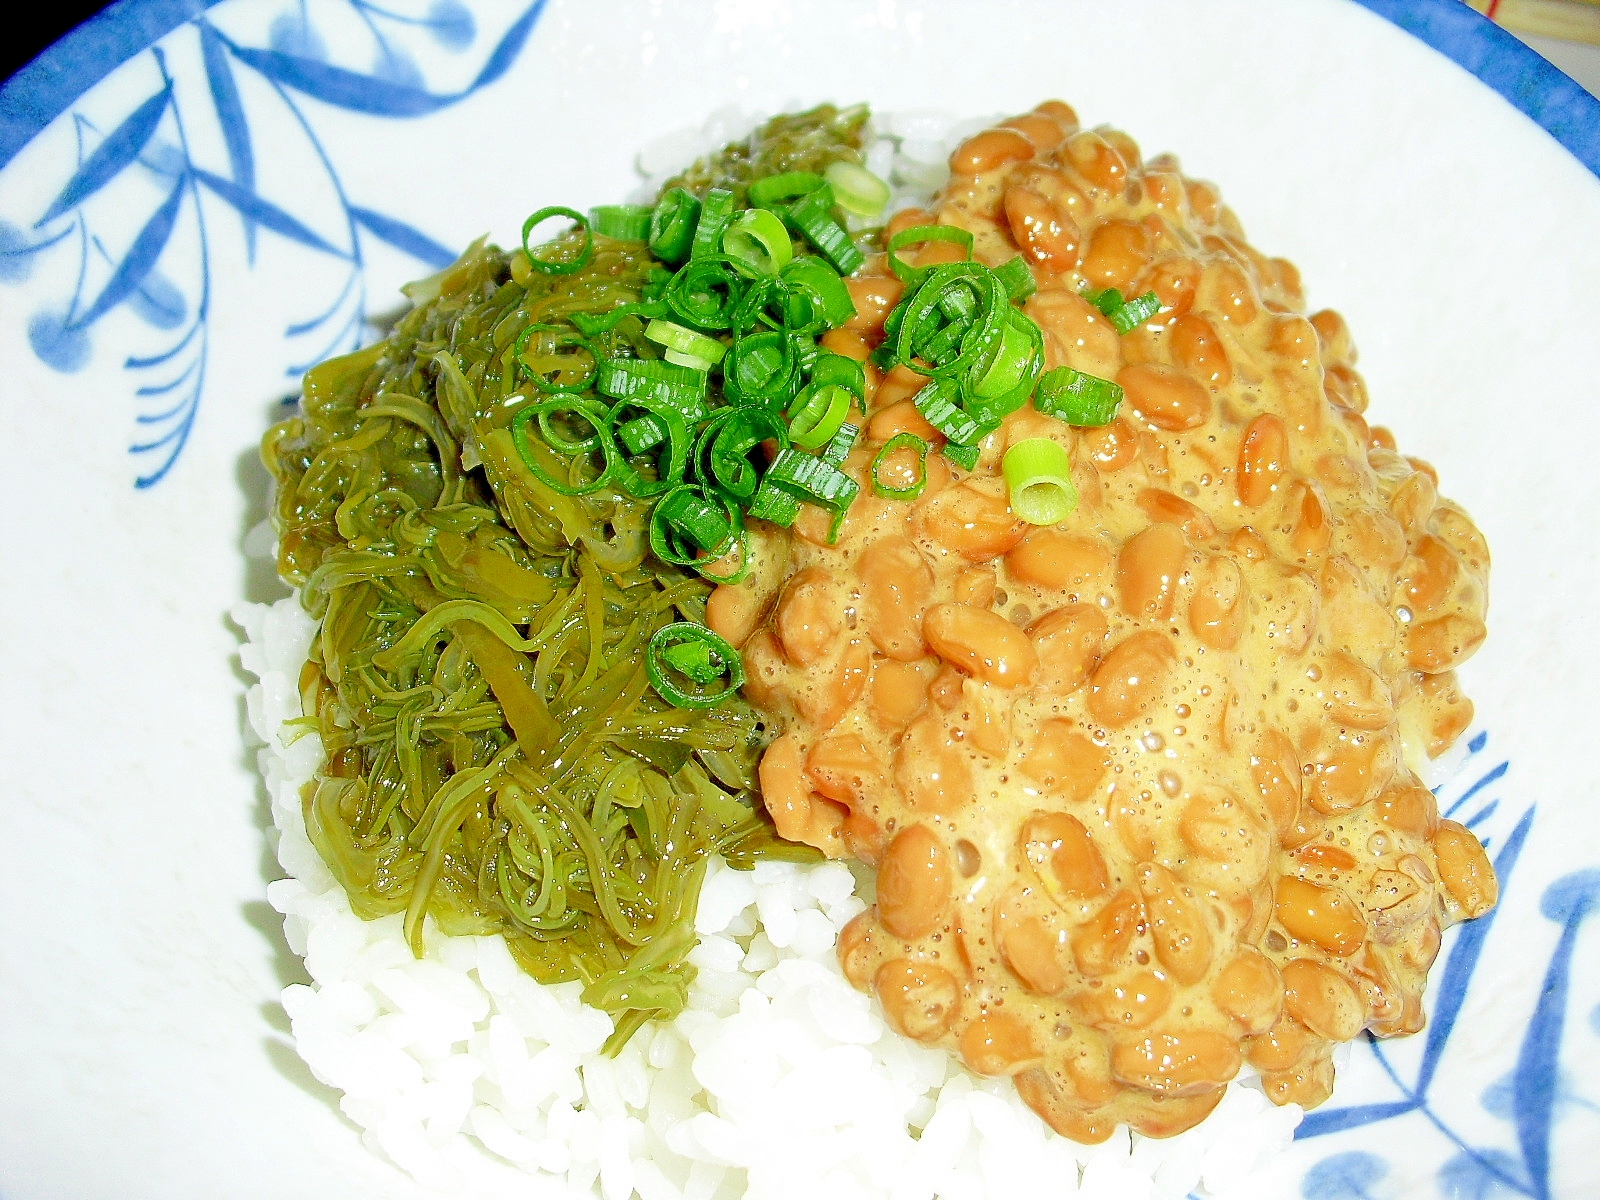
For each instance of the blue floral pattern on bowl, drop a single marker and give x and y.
(146, 164)
(130, 227)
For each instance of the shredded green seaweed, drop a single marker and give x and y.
(496, 756)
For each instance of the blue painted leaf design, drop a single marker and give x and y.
(110, 156)
(1336, 1120)
(344, 89)
(509, 46)
(1347, 1176)
(1482, 1175)
(451, 24)
(403, 237)
(266, 213)
(230, 115)
(1463, 960)
(140, 258)
(1536, 1080)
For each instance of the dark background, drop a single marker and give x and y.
(42, 22)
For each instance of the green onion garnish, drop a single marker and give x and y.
(720, 659)
(757, 243)
(776, 190)
(812, 215)
(856, 189)
(840, 445)
(552, 362)
(965, 457)
(1038, 474)
(1017, 278)
(1131, 314)
(1125, 315)
(558, 266)
(705, 292)
(685, 342)
(815, 284)
(627, 222)
(1076, 398)
(672, 225)
(586, 410)
(900, 441)
(916, 236)
(716, 210)
(821, 411)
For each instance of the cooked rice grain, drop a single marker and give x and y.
(780, 1080)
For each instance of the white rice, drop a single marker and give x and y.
(779, 1080)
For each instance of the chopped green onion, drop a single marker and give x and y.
(823, 411)
(761, 369)
(1076, 398)
(690, 524)
(693, 659)
(626, 222)
(756, 243)
(706, 293)
(907, 441)
(589, 411)
(965, 457)
(812, 279)
(672, 225)
(856, 189)
(810, 478)
(936, 402)
(667, 427)
(558, 266)
(685, 341)
(552, 362)
(840, 444)
(1107, 301)
(719, 655)
(776, 190)
(716, 210)
(1009, 380)
(1017, 278)
(915, 236)
(692, 361)
(722, 453)
(589, 325)
(812, 215)
(831, 368)
(1131, 314)
(773, 503)
(641, 379)
(1038, 474)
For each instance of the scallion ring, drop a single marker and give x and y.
(821, 411)
(597, 418)
(626, 222)
(558, 266)
(756, 243)
(1038, 475)
(706, 292)
(1076, 398)
(900, 441)
(915, 236)
(685, 342)
(856, 189)
(541, 368)
(719, 657)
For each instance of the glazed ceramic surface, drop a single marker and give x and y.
(199, 200)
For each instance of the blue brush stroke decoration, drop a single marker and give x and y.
(1530, 1098)
(149, 144)
(119, 149)
(230, 115)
